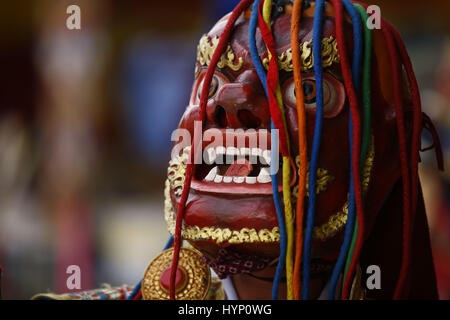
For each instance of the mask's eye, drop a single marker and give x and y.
(309, 91)
(333, 94)
(215, 83)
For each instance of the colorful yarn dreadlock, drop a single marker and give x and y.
(299, 96)
(353, 131)
(221, 46)
(354, 136)
(275, 99)
(409, 177)
(351, 83)
(354, 233)
(317, 50)
(366, 101)
(274, 160)
(273, 92)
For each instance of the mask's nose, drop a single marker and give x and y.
(238, 105)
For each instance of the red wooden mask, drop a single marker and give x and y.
(230, 214)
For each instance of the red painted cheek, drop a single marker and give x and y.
(189, 117)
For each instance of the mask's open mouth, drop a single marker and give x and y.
(238, 169)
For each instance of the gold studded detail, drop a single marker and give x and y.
(191, 262)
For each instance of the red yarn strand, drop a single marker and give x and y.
(406, 250)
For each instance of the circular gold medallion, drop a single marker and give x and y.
(193, 276)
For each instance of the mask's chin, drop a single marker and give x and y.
(210, 216)
(239, 212)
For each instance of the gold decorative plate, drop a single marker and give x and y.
(194, 282)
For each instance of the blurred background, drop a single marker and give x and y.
(85, 123)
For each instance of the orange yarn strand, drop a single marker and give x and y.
(295, 46)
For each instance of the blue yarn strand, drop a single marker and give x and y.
(169, 243)
(274, 157)
(135, 291)
(137, 288)
(351, 217)
(317, 52)
(253, 49)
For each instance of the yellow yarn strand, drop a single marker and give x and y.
(267, 10)
(289, 228)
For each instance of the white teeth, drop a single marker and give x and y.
(217, 156)
(245, 151)
(227, 179)
(250, 180)
(209, 155)
(212, 174)
(220, 151)
(238, 179)
(264, 176)
(266, 156)
(256, 152)
(232, 151)
(222, 155)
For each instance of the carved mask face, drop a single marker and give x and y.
(230, 205)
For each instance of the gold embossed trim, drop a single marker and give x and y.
(221, 235)
(177, 171)
(225, 235)
(337, 221)
(330, 55)
(324, 179)
(205, 51)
